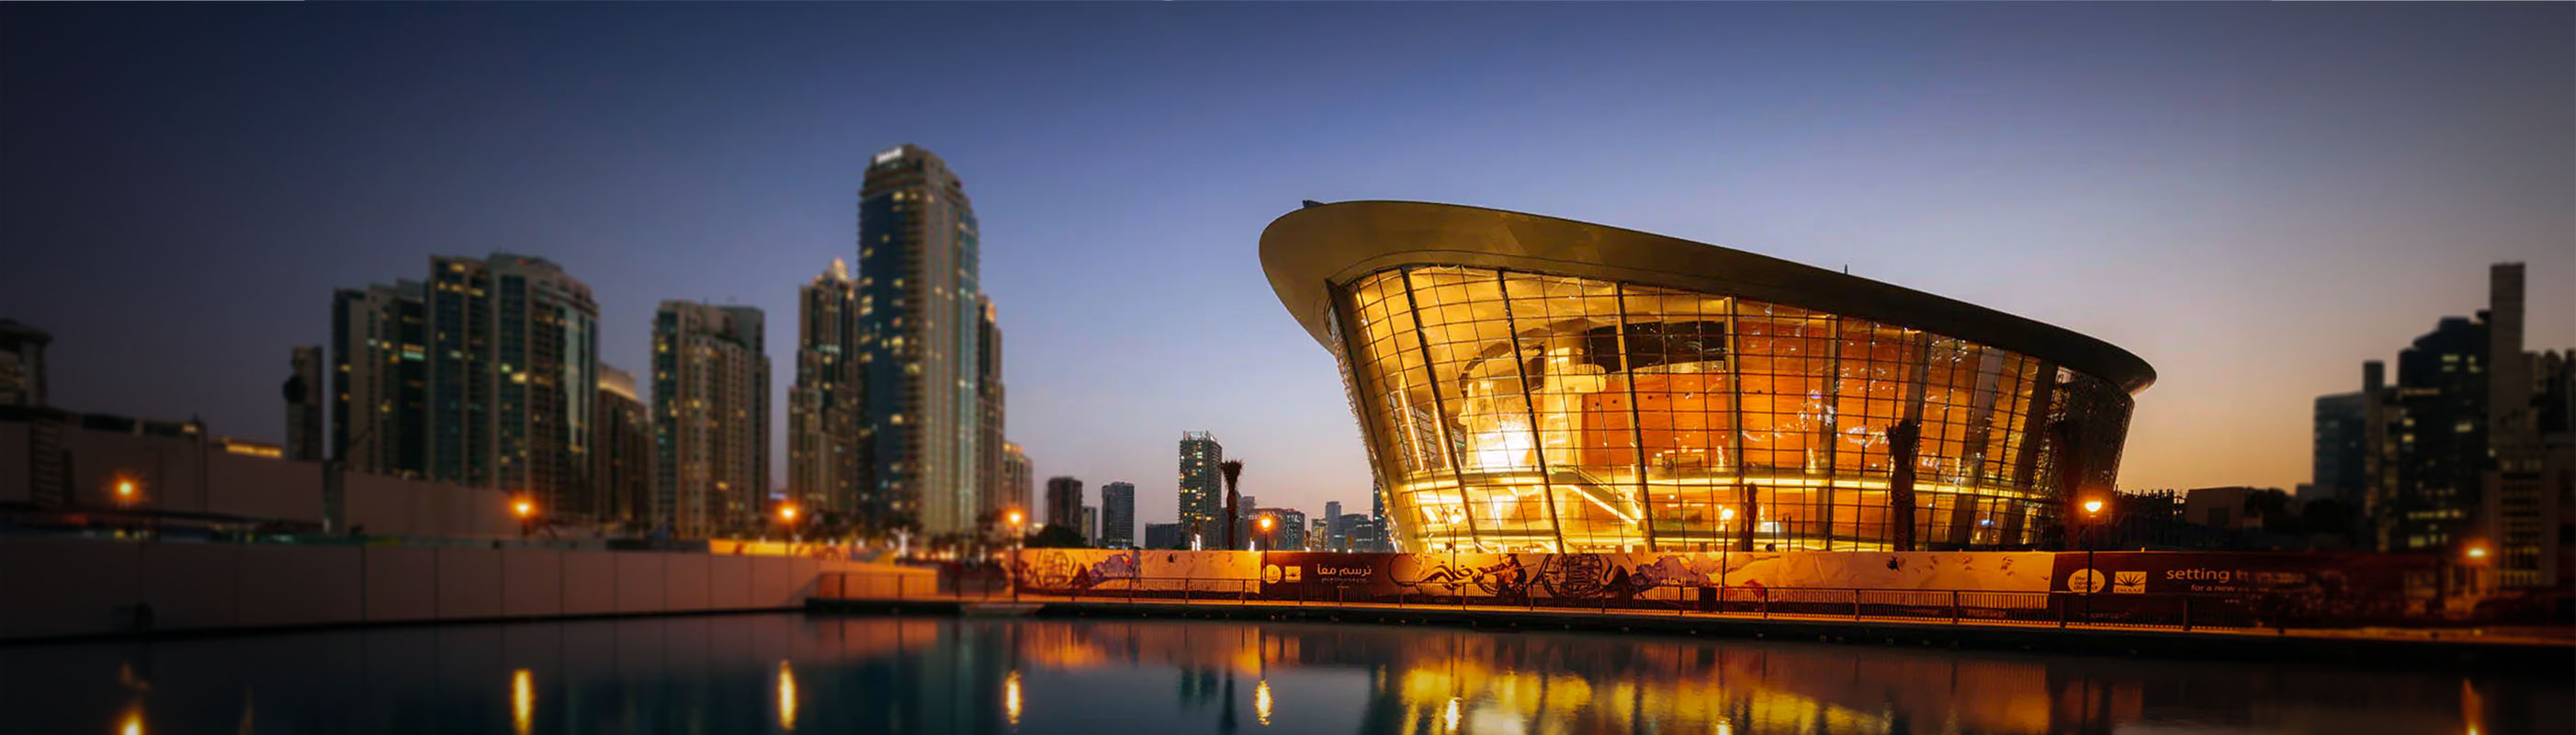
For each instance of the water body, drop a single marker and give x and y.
(796, 673)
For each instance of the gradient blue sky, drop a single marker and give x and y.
(2255, 198)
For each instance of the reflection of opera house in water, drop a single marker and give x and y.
(1535, 384)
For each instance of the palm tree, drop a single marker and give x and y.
(1233, 471)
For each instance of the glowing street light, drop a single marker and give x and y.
(1017, 520)
(2477, 552)
(526, 511)
(2093, 506)
(787, 514)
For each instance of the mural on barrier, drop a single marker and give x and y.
(1627, 575)
(2337, 585)
(1087, 570)
(1546, 576)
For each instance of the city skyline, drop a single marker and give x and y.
(2408, 177)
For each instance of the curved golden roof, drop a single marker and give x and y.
(1320, 244)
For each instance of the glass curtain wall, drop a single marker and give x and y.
(1518, 411)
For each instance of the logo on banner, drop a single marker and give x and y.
(2129, 583)
(2086, 581)
(1276, 573)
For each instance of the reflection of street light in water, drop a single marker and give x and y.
(1452, 715)
(1261, 701)
(523, 701)
(786, 697)
(132, 722)
(1011, 697)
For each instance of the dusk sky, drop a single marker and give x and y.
(2254, 198)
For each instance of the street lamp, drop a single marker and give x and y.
(526, 511)
(2092, 532)
(787, 517)
(1017, 538)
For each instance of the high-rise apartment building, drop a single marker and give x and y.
(1091, 526)
(380, 379)
(711, 418)
(1202, 488)
(827, 461)
(1336, 537)
(621, 456)
(1019, 482)
(1118, 515)
(513, 364)
(1064, 502)
(303, 393)
(992, 498)
(919, 313)
(22, 364)
(2340, 439)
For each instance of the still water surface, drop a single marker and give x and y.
(795, 673)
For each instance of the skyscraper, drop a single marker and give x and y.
(992, 496)
(513, 365)
(1336, 536)
(1091, 526)
(711, 418)
(303, 391)
(2339, 439)
(826, 452)
(1064, 502)
(22, 364)
(1118, 515)
(1202, 489)
(1019, 482)
(919, 306)
(380, 379)
(621, 456)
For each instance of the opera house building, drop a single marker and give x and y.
(1525, 383)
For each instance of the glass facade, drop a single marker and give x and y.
(1509, 410)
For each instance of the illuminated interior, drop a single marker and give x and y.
(1509, 410)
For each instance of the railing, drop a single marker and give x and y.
(2038, 609)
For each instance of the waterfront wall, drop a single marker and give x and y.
(68, 587)
(191, 475)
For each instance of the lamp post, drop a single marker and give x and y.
(787, 517)
(1017, 538)
(2092, 530)
(526, 511)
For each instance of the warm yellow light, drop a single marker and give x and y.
(787, 513)
(2478, 551)
(1016, 518)
(523, 508)
(523, 701)
(124, 488)
(2093, 506)
(1726, 514)
(1265, 523)
(1261, 701)
(132, 723)
(786, 697)
(1452, 715)
(1011, 697)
